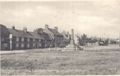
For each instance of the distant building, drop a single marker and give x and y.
(19, 39)
(4, 37)
(14, 39)
(56, 39)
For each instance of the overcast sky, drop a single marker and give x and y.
(94, 17)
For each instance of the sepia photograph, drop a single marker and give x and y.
(60, 37)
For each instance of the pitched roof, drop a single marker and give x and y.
(35, 35)
(45, 35)
(3, 31)
(20, 33)
(41, 32)
(50, 34)
(66, 35)
(55, 32)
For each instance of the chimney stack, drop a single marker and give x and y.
(13, 27)
(56, 28)
(25, 29)
(46, 26)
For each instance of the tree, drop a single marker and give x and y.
(82, 40)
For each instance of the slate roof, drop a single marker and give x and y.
(45, 35)
(3, 31)
(52, 33)
(41, 32)
(20, 33)
(35, 35)
(55, 32)
(66, 36)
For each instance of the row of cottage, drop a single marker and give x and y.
(14, 39)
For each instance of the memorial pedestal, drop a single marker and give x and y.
(72, 46)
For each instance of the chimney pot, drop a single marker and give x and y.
(46, 26)
(25, 29)
(13, 27)
(56, 28)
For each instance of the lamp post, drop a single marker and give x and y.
(11, 36)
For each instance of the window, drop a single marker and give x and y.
(5, 45)
(17, 45)
(22, 39)
(40, 45)
(22, 45)
(17, 39)
(28, 45)
(33, 44)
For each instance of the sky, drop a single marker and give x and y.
(99, 18)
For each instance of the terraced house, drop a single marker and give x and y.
(56, 39)
(14, 39)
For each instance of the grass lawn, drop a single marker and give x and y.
(93, 62)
